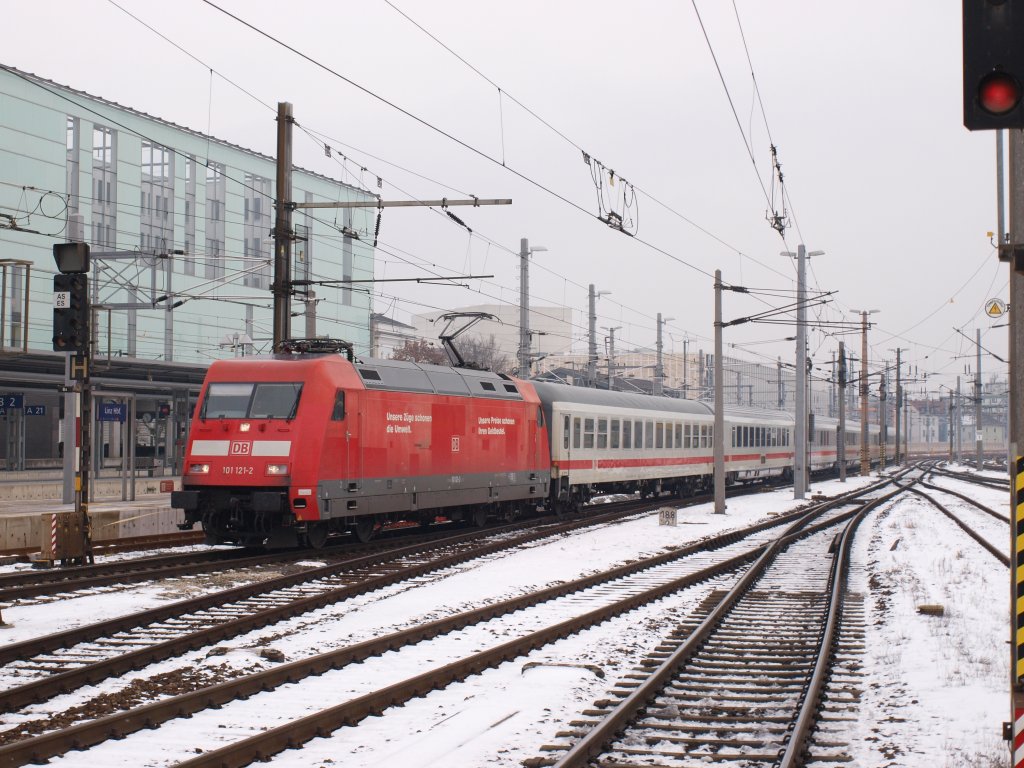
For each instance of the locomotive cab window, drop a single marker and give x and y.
(270, 400)
(338, 414)
(540, 416)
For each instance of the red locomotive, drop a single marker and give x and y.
(288, 450)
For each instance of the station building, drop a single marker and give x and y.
(179, 225)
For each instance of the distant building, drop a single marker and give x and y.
(389, 334)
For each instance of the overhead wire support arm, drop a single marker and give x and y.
(349, 281)
(443, 203)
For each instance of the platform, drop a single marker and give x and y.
(28, 498)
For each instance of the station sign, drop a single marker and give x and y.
(35, 410)
(112, 412)
(15, 400)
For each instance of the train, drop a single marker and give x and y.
(291, 449)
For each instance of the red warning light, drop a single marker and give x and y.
(998, 93)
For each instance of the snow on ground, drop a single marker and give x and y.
(935, 688)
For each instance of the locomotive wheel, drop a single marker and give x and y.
(364, 529)
(315, 536)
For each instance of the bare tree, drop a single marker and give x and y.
(420, 351)
(484, 353)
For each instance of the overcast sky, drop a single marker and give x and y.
(862, 101)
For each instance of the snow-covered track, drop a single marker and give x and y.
(740, 684)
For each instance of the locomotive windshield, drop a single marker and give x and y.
(277, 400)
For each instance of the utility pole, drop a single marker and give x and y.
(686, 368)
(882, 426)
(841, 437)
(959, 423)
(977, 403)
(800, 460)
(524, 305)
(865, 456)
(781, 386)
(659, 367)
(1015, 246)
(592, 357)
(611, 355)
(899, 404)
(950, 429)
(283, 235)
(718, 437)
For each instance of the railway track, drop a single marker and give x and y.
(60, 582)
(36, 670)
(262, 744)
(741, 681)
(998, 551)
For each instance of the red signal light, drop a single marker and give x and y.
(998, 93)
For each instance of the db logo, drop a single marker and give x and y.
(240, 447)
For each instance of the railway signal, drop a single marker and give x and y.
(993, 59)
(70, 313)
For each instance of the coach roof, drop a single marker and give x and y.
(562, 393)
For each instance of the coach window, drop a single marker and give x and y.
(627, 433)
(588, 433)
(565, 432)
(338, 414)
(711, 436)
(686, 436)
(659, 435)
(703, 435)
(679, 435)
(615, 434)
(638, 434)
(648, 434)
(576, 432)
(602, 434)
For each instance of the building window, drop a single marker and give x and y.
(104, 187)
(157, 200)
(258, 203)
(190, 216)
(216, 195)
(73, 150)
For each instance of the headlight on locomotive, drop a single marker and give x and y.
(277, 470)
(199, 469)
